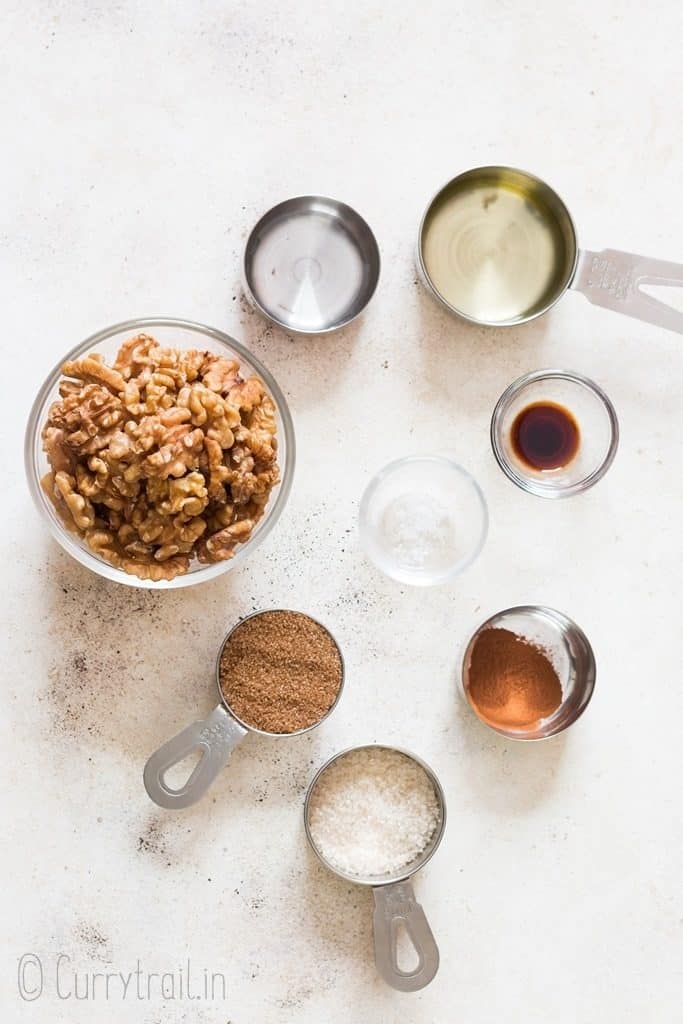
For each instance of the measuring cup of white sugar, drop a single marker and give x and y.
(375, 815)
(423, 520)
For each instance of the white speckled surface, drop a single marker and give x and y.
(141, 144)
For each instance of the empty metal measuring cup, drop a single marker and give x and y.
(395, 902)
(215, 737)
(497, 246)
(311, 264)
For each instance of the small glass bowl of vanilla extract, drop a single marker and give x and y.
(554, 433)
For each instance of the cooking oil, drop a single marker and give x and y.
(493, 249)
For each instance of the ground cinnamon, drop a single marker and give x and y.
(512, 682)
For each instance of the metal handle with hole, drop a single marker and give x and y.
(613, 279)
(216, 737)
(396, 905)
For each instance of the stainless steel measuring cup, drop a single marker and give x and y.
(215, 737)
(497, 246)
(570, 653)
(395, 902)
(311, 265)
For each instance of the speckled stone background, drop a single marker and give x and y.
(141, 142)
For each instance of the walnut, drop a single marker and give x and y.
(187, 495)
(210, 411)
(167, 456)
(146, 434)
(93, 370)
(221, 545)
(221, 517)
(220, 374)
(80, 507)
(178, 455)
(134, 355)
(219, 473)
(60, 456)
(246, 394)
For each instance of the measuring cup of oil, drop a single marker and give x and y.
(216, 736)
(554, 433)
(355, 819)
(497, 246)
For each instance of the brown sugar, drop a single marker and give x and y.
(280, 671)
(512, 682)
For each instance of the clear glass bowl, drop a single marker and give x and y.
(423, 520)
(178, 334)
(598, 430)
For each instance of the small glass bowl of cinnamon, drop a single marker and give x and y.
(554, 433)
(528, 672)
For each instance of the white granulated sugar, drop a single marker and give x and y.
(372, 812)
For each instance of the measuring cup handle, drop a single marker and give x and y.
(396, 904)
(612, 279)
(215, 737)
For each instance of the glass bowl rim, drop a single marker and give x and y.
(537, 487)
(386, 470)
(70, 543)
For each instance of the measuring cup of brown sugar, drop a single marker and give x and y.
(528, 672)
(279, 673)
(554, 433)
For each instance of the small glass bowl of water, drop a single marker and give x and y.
(423, 519)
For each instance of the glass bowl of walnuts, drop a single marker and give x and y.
(160, 452)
